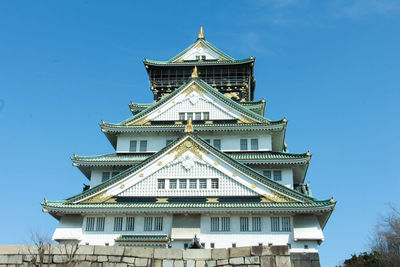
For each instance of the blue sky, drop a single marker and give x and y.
(331, 67)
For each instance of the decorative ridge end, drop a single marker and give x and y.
(331, 200)
(189, 126)
(201, 34)
(284, 119)
(308, 153)
(194, 73)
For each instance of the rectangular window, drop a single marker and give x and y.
(148, 223)
(197, 57)
(256, 224)
(158, 223)
(203, 57)
(214, 224)
(132, 146)
(105, 176)
(203, 183)
(172, 184)
(115, 173)
(243, 144)
(181, 116)
(217, 143)
(254, 144)
(90, 221)
(197, 116)
(212, 245)
(275, 224)
(169, 141)
(208, 141)
(278, 175)
(267, 173)
(189, 115)
(130, 223)
(214, 184)
(244, 224)
(225, 224)
(206, 116)
(143, 146)
(286, 224)
(100, 223)
(182, 183)
(161, 184)
(193, 183)
(118, 223)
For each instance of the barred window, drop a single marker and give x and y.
(168, 141)
(132, 146)
(203, 183)
(208, 141)
(148, 223)
(143, 145)
(130, 223)
(217, 143)
(158, 223)
(206, 116)
(118, 223)
(275, 224)
(114, 173)
(243, 144)
(267, 173)
(182, 183)
(214, 224)
(105, 176)
(286, 224)
(214, 184)
(90, 221)
(193, 183)
(172, 184)
(278, 175)
(244, 224)
(161, 184)
(181, 116)
(100, 223)
(256, 224)
(225, 224)
(197, 116)
(254, 144)
(190, 115)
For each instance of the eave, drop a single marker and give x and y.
(148, 63)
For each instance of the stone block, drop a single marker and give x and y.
(179, 263)
(80, 257)
(28, 249)
(168, 263)
(200, 263)
(239, 252)
(108, 264)
(252, 260)
(282, 261)
(128, 259)
(236, 261)
(114, 258)
(219, 254)
(91, 257)
(10, 259)
(268, 261)
(121, 264)
(280, 250)
(139, 252)
(28, 258)
(211, 263)
(141, 261)
(168, 254)
(83, 264)
(85, 250)
(190, 263)
(59, 258)
(223, 262)
(110, 251)
(197, 254)
(102, 258)
(156, 263)
(9, 249)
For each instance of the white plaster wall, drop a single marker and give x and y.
(109, 235)
(228, 142)
(97, 174)
(287, 175)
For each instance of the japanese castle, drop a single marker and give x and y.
(200, 160)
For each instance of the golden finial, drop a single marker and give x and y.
(284, 119)
(44, 210)
(331, 200)
(189, 126)
(201, 34)
(308, 153)
(263, 100)
(194, 73)
(74, 156)
(102, 122)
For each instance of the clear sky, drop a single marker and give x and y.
(331, 67)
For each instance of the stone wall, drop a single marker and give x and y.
(101, 256)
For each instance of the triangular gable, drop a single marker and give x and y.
(186, 152)
(195, 96)
(201, 48)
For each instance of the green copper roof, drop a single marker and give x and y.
(142, 238)
(198, 63)
(207, 87)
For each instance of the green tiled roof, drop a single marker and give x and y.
(142, 238)
(205, 86)
(198, 63)
(270, 183)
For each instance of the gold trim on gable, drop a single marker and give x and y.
(188, 145)
(194, 88)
